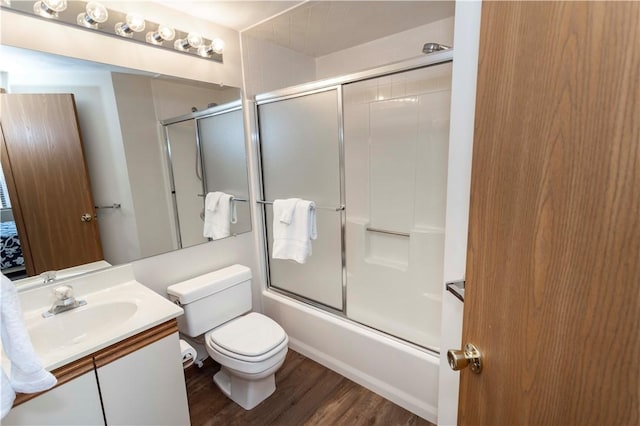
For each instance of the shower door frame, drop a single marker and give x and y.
(196, 116)
(337, 83)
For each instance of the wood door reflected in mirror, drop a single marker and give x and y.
(119, 113)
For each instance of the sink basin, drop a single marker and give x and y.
(75, 326)
(117, 307)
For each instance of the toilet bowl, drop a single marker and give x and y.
(250, 350)
(250, 347)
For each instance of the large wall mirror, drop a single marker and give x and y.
(154, 148)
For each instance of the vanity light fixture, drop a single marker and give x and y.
(95, 15)
(132, 24)
(193, 40)
(49, 8)
(164, 32)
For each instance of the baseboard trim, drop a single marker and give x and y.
(384, 389)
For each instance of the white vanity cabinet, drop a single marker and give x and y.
(76, 402)
(145, 387)
(137, 381)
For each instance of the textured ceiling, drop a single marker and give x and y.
(317, 28)
(238, 14)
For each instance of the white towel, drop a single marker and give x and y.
(294, 226)
(219, 214)
(27, 374)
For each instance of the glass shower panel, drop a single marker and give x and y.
(183, 150)
(396, 132)
(225, 161)
(300, 149)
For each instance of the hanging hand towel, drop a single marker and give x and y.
(219, 214)
(27, 374)
(294, 226)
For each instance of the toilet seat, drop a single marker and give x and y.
(250, 338)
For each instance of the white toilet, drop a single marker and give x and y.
(250, 348)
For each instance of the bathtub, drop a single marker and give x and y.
(401, 373)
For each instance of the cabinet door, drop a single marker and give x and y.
(74, 403)
(146, 387)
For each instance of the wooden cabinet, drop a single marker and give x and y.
(138, 381)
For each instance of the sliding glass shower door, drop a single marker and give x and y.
(372, 153)
(301, 150)
(396, 132)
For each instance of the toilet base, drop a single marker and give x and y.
(245, 393)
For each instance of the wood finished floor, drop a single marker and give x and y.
(306, 394)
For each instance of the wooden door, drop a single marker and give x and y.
(45, 157)
(553, 266)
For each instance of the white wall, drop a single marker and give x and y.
(175, 98)
(144, 160)
(268, 67)
(463, 100)
(394, 48)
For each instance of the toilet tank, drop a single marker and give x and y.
(212, 299)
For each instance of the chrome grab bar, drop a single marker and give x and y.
(384, 231)
(112, 206)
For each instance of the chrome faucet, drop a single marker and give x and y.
(48, 277)
(64, 301)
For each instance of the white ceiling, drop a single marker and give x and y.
(235, 14)
(318, 27)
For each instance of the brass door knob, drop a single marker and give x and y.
(461, 359)
(86, 218)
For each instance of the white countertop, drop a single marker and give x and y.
(117, 307)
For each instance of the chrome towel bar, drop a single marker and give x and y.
(112, 206)
(244, 200)
(335, 209)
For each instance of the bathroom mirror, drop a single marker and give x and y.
(136, 168)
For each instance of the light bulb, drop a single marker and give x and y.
(163, 33)
(205, 51)
(95, 14)
(193, 40)
(49, 8)
(217, 45)
(133, 24)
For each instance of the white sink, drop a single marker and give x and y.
(77, 325)
(117, 307)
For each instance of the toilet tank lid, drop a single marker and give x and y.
(205, 285)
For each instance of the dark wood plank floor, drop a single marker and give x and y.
(306, 394)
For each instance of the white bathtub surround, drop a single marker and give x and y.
(396, 131)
